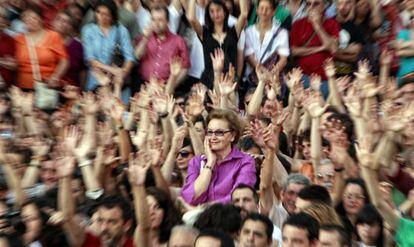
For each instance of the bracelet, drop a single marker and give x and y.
(163, 115)
(208, 167)
(339, 169)
(85, 163)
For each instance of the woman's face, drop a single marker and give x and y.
(32, 21)
(62, 24)
(265, 10)
(353, 199)
(362, 8)
(103, 16)
(223, 136)
(183, 157)
(368, 233)
(155, 211)
(217, 13)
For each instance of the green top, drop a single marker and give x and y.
(280, 15)
(405, 233)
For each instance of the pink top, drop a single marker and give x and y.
(158, 56)
(237, 168)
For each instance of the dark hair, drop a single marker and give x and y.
(265, 220)
(247, 143)
(272, 2)
(225, 240)
(304, 221)
(111, 6)
(221, 217)
(370, 215)
(344, 238)
(209, 22)
(245, 186)
(171, 217)
(162, 8)
(346, 121)
(36, 9)
(114, 201)
(315, 194)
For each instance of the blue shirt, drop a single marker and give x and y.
(406, 63)
(97, 46)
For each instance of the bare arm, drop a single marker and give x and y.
(192, 19)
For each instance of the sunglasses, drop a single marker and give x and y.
(184, 154)
(218, 133)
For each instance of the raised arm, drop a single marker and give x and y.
(242, 19)
(263, 75)
(192, 18)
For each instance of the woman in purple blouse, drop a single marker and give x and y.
(212, 177)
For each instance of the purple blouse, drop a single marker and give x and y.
(237, 168)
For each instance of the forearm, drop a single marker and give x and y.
(31, 125)
(196, 141)
(141, 48)
(99, 167)
(14, 184)
(305, 122)
(266, 188)
(406, 206)
(124, 145)
(316, 143)
(32, 174)
(202, 182)
(383, 74)
(385, 150)
(408, 52)
(327, 41)
(168, 166)
(167, 134)
(89, 178)
(338, 187)
(335, 96)
(305, 51)
(141, 237)
(256, 99)
(160, 182)
(89, 138)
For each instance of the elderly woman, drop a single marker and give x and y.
(212, 178)
(49, 52)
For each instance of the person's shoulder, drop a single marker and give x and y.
(89, 27)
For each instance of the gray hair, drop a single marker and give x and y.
(296, 178)
(185, 228)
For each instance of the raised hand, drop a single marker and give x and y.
(270, 138)
(40, 147)
(353, 102)
(16, 96)
(195, 105)
(105, 134)
(343, 83)
(155, 151)
(200, 89)
(160, 103)
(66, 166)
(263, 75)
(329, 67)
(89, 103)
(179, 136)
(256, 131)
(226, 85)
(217, 59)
(313, 103)
(215, 99)
(315, 82)
(117, 110)
(176, 66)
(210, 155)
(364, 152)
(138, 167)
(294, 77)
(386, 57)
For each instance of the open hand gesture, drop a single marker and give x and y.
(138, 167)
(176, 66)
(226, 85)
(217, 59)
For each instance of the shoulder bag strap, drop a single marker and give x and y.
(269, 46)
(33, 60)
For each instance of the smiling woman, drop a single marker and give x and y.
(214, 176)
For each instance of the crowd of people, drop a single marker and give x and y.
(251, 123)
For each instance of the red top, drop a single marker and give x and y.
(94, 241)
(301, 32)
(50, 11)
(158, 56)
(7, 49)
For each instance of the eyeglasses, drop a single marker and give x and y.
(354, 196)
(218, 133)
(184, 153)
(313, 4)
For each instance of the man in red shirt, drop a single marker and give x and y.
(158, 47)
(313, 39)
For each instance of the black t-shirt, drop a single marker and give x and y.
(350, 33)
(229, 48)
